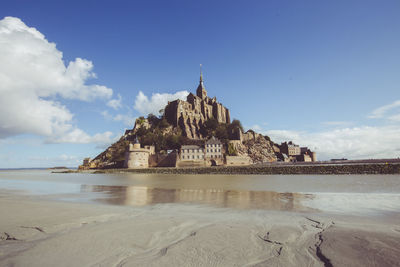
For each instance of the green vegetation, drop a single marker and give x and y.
(223, 131)
(158, 135)
(140, 120)
(232, 150)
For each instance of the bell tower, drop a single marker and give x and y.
(201, 90)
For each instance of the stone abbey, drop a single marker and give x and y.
(191, 114)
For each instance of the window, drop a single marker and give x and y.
(207, 150)
(198, 156)
(183, 157)
(211, 156)
(219, 150)
(193, 157)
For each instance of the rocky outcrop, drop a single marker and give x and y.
(260, 150)
(112, 157)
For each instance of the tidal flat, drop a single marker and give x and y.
(131, 219)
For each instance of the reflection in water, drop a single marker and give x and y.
(141, 195)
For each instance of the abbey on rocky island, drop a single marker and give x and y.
(183, 139)
(191, 114)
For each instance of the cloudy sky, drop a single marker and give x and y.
(74, 76)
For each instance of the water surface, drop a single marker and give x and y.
(349, 194)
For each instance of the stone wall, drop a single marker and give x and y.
(390, 168)
(163, 160)
(249, 136)
(237, 160)
(190, 163)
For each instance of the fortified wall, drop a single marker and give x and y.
(190, 115)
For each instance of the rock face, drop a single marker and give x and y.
(257, 148)
(191, 114)
(260, 150)
(112, 157)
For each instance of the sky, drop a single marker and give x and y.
(75, 74)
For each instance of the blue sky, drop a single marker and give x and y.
(324, 74)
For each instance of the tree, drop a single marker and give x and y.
(140, 120)
(232, 150)
(236, 124)
(222, 133)
(209, 127)
(163, 123)
(153, 120)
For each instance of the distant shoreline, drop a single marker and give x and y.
(284, 169)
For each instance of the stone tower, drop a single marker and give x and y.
(201, 91)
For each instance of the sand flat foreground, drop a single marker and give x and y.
(40, 232)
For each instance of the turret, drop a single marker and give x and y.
(136, 144)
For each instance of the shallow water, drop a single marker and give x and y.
(347, 194)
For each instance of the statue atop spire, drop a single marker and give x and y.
(201, 75)
(201, 91)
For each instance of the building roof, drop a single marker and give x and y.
(213, 140)
(190, 147)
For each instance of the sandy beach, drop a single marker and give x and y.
(38, 231)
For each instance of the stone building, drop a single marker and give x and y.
(290, 149)
(213, 149)
(191, 114)
(311, 154)
(212, 153)
(304, 158)
(137, 157)
(191, 152)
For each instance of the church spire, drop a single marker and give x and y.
(201, 91)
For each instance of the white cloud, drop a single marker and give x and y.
(158, 101)
(279, 136)
(354, 143)
(381, 111)
(127, 119)
(32, 76)
(115, 103)
(395, 118)
(77, 136)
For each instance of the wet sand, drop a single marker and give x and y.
(38, 231)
